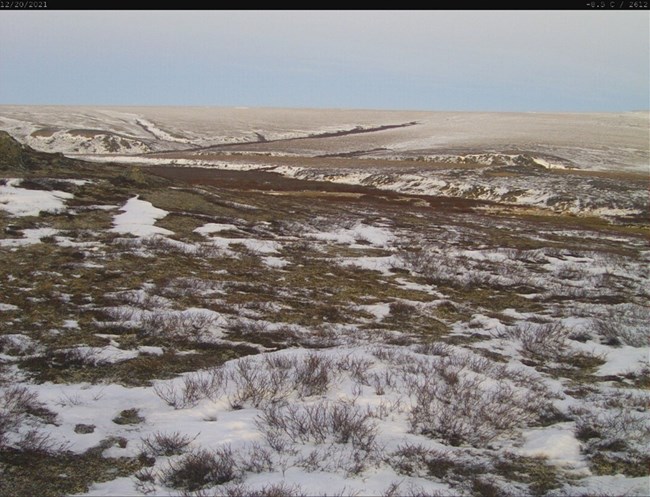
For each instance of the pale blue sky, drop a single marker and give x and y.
(437, 60)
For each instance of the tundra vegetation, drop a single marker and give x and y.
(221, 335)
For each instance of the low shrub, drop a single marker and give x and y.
(201, 468)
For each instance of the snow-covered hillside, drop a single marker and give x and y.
(614, 141)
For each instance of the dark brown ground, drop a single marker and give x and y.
(274, 182)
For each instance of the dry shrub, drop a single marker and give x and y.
(201, 468)
(625, 325)
(539, 341)
(166, 444)
(464, 398)
(21, 414)
(324, 422)
(357, 367)
(177, 325)
(313, 375)
(272, 490)
(257, 385)
(194, 387)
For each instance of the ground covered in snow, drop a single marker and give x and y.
(604, 141)
(221, 332)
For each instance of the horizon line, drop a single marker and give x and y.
(298, 108)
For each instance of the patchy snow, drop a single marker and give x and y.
(382, 264)
(418, 287)
(255, 245)
(64, 241)
(252, 244)
(20, 342)
(156, 161)
(550, 192)
(380, 311)
(85, 141)
(557, 193)
(390, 384)
(30, 237)
(138, 219)
(359, 235)
(24, 202)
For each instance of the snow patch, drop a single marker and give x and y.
(138, 219)
(108, 355)
(23, 202)
(209, 228)
(621, 360)
(275, 262)
(558, 443)
(150, 350)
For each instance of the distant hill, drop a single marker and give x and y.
(595, 141)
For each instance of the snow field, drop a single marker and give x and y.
(340, 412)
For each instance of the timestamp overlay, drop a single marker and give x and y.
(496, 5)
(23, 4)
(618, 4)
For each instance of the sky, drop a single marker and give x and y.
(416, 60)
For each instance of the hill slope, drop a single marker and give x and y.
(219, 332)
